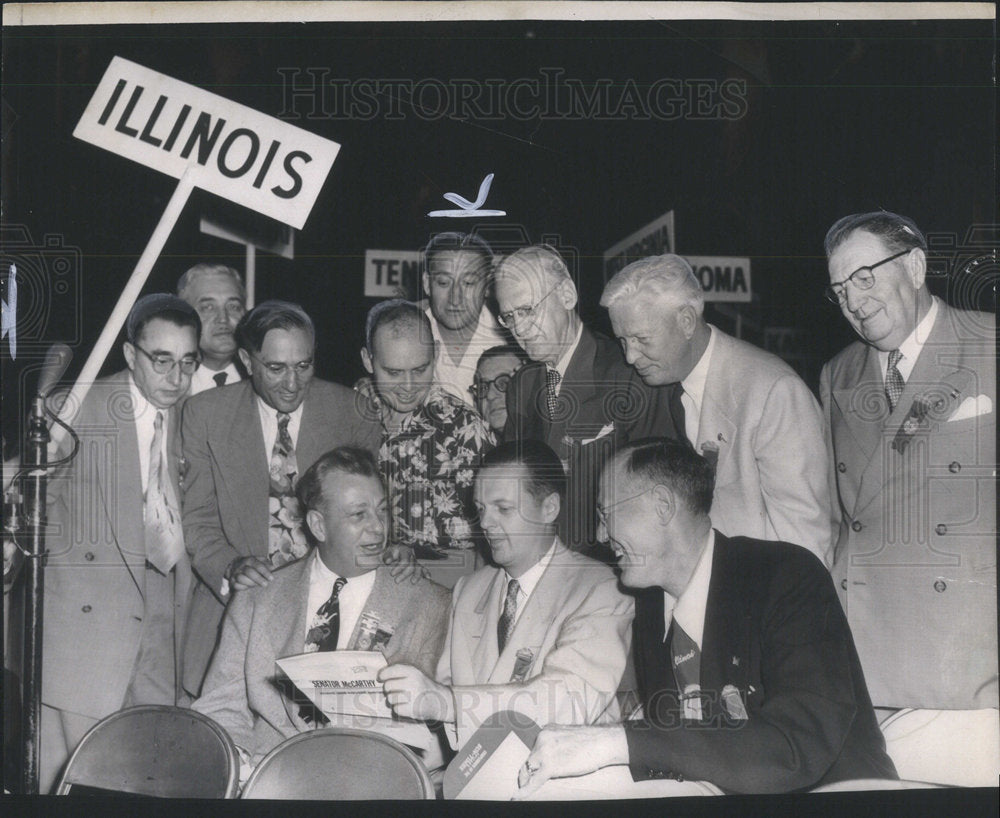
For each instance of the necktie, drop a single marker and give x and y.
(220, 378)
(505, 625)
(677, 412)
(325, 628)
(162, 520)
(552, 378)
(893, 379)
(685, 658)
(286, 539)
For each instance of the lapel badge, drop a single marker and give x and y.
(911, 424)
(736, 661)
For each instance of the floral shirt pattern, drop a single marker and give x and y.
(429, 466)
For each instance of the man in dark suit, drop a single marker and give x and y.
(117, 577)
(911, 423)
(244, 447)
(747, 670)
(577, 395)
(345, 509)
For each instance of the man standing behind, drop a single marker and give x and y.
(578, 395)
(911, 418)
(742, 408)
(244, 447)
(341, 597)
(216, 292)
(494, 372)
(747, 671)
(546, 633)
(457, 271)
(117, 577)
(431, 442)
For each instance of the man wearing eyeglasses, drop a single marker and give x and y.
(910, 411)
(744, 409)
(577, 395)
(457, 271)
(216, 292)
(117, 577)
(244, 448)
(494, 371)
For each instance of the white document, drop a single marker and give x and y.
(343, 686)
(496, 779)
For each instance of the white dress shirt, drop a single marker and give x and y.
(269, 425)
(204, 378)
(145, 419)
(456, 378)
(694, 391)
(689, 609)
(352, 599)
(526, 582)
(910, 348)
(563, 364)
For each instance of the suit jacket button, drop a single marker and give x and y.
(89, 556)
(941, 529)
(86, 609)
(841, 467)
(954, 467)
(856, 526)
(940, 585)
(843, 583)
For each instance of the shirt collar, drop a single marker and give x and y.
(272, 414)
(914, 343)
(141, 407)
(563, 364)
(694, 383)
(529, 579)
(321, 573)
(689, 611)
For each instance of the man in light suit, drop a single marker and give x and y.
(577, 394)
(345, 508)
(545, 632)
(244, 446)
(742, 408)
(117, 579)
(216, 291)
(747, 672)
(910, 412)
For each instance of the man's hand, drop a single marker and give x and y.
(246, 572)
(560, 752)
(412, 694)
(404, 565)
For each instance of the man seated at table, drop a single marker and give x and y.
(545, 631)
(746, 667)
(339, 597)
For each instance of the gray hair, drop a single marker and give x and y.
(206, 268)
(897, 232)
(539, 256)
(666, 277)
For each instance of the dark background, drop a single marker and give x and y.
(840, 118)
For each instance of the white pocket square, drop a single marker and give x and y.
(972, 408)
(605, 431)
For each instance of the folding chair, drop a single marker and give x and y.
(153, 750)
(342, 764)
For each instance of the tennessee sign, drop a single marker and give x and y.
(234, 151)
(388, 273)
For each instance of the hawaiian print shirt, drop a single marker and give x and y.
(429, 468)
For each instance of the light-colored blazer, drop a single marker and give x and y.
(226, 488)
(95, 575)
(573, 636)
(915, 562)
(267, 623)
(764, 428)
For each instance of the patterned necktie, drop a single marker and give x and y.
(324, 630)
(505, 625)
(685, 659)
(286, 539)
(220, 378)
(162, 519)
(552, 378)
(677, 412)
(893, 379)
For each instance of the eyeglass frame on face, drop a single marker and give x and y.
(602, 513)
(479, 383)
(839, 296)
(279, 370)
(508, 319)
(160, 362)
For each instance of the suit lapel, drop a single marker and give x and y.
(308, 445)
(716, 426)
(482, 626)
(245, 465)
(286, 619)
(384, 603)
(125, 483)
(725, 639)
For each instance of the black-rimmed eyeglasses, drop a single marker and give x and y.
(164, 364)
(480, 389)
(863, 278)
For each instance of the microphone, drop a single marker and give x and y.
(57, 361)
